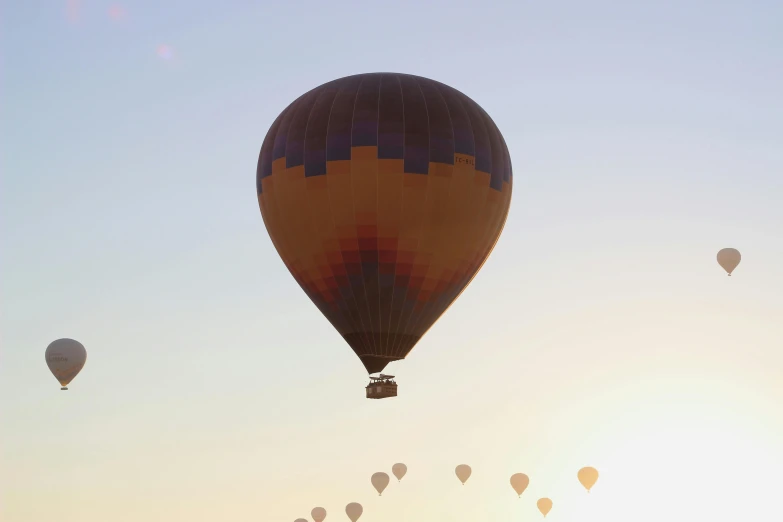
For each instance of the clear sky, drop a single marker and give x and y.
(644, 136)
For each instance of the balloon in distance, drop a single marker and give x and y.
(519, 481)
(354, 510)
(588, 476)
(65, 358)
(544, 506)
(463, 472)
(383, 194)
(399, 470)
(728, 259)
(318, 514)
(379, 481)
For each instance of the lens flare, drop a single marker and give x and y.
(165, 52)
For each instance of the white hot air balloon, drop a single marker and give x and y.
(65, 358)
(379, 481)
(318, 514)
(399, 470)
(354, 510)
(463, 472)
(728, 259)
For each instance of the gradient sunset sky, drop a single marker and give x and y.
(644, 136)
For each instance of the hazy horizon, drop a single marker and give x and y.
(643, 140)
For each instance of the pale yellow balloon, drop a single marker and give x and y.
(463, 472)
(588, 477)
(65, 358)
(379, 481)
(399, 470)
(519, 481)
(354, 510)
(318, 514)
(544, 506)
(729, 258)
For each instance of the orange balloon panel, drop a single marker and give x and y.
(383, 194)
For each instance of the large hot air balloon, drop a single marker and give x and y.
(588, 477)
(519, 481)
(379, 481)
(399, 470)
(65, 358)
(544, 506)
(354, 510)
(318, 514)
(463, 472)
(383, 194)
(729, 258)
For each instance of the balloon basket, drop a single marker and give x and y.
(381, 387)
(64, 388)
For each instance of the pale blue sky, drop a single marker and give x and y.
(644, 136)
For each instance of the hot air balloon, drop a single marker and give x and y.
(300, 520)
(519, 481)
(379, 481)
(318, 514)
(588, 477)
(463, 472)
(65, 358)
(544, 506)
(384, 194)
(729, 258)
(354, 510)
(399, 470)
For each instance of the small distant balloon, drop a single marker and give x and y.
(165, 52)
(729, 258)
(300, 520)
(379, 481)
(117, 12)
(519, 481)
(463, 472)
(65, 359)
(544, 506)
(318, 514)
(399, 470)
(354, 510)
(588, 477)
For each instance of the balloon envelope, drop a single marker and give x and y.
(300, 520)
(318, 514)
(588, 476)
(519, 481)
(354, 510)
(65, 358)
(729, 258)
(463, 472)
(544, 505)
(399, 470)
(383, 194)
(379, 481)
